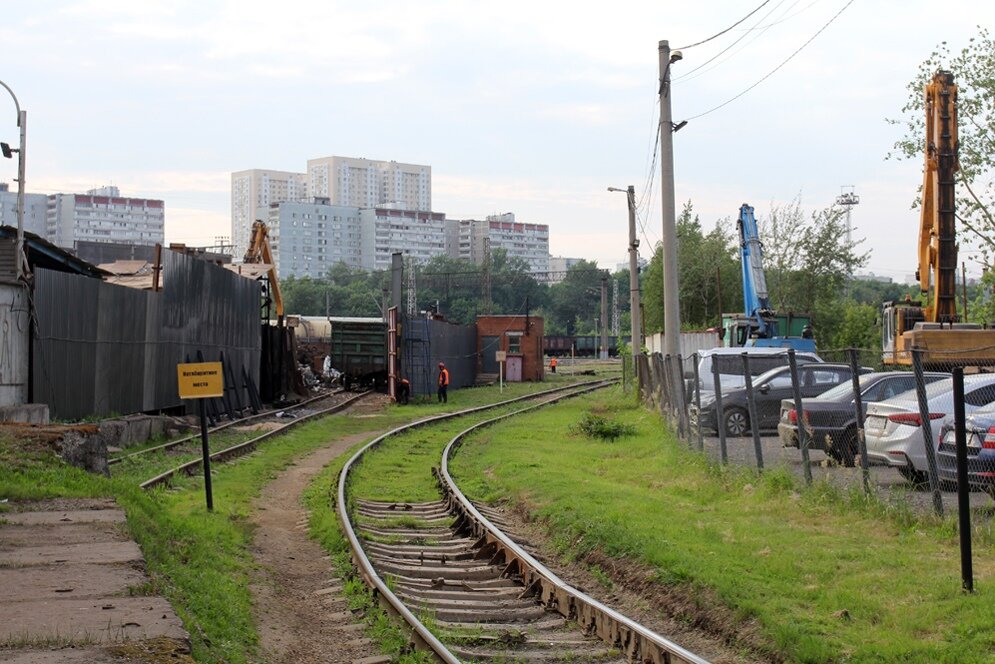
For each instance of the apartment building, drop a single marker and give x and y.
(252, 193)
(421, 235)
(307, 238)
(35, 210)
(104, 216)
(529, 242)
(368, 183)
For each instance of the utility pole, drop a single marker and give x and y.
(412, 291)
(487, 275)
(604, 315)
(671, 310)
(635, 307)
(615, 313)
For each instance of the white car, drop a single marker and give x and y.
(730, 364)
(893, 428)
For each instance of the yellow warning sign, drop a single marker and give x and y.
(200, 380)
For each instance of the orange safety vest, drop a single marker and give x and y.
(444, 378)
(552, 362)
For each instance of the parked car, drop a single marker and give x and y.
(730, 364)
(980, 429)
(830, 418)
(769, 390)
(893, 428)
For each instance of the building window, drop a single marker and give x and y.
(514, 344)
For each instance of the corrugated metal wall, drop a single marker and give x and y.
(15, 326)
(428, 342)
(103, 349)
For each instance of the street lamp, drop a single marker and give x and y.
(22, 121)
(636, 325)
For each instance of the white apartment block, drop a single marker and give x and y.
(419, 234)
(368, 183)
(103, 215)
(529, 242)
(558, 266)
(309, 238)
(252, 193)
(35, 211)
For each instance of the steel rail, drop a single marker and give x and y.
(422, 636)
(638, 642)
(248, 445)
(196, 436)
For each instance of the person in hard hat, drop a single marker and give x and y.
(552, 365)
(443, 383)
(403, 390)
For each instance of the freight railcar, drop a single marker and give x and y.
(581, 345)
(357, 347)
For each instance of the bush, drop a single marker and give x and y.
(596, 426)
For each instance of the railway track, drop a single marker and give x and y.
(246, 446)
(489, 599)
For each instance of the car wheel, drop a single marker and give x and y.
(915, 477)
(736, 422)
(844, 452)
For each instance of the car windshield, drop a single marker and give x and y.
(932, 390)
(842, 392)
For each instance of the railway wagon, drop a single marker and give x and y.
(583, 345)
(357, 347)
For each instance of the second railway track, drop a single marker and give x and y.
(485, 594)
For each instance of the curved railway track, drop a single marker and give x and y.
(248, 445)
(489, 599)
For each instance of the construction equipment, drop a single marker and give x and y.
(759, 325)
(936, 329)
(259, 252)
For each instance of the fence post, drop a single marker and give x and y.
(658, 382)
(719, 412)
(683, 405)
(697, 401)
(752, 408)
(858, 411)
(963, 493)
(927, 432)
(668, 390)
(800, 416)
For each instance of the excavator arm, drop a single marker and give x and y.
(937, 232)
(259, 252)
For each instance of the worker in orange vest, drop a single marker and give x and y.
(443, 383)
(552, 365)
(403, 391)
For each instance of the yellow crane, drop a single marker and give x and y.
(259, 251)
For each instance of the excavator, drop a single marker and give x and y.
(259, 252)
(936, 328)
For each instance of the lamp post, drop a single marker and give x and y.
(22, 121)
(636, 326)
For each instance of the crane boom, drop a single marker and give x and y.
(756, 301)
(259, 252)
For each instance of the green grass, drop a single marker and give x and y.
(828, 576)
(200, 561)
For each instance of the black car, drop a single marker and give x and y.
(769, 390)
(980, 429)
(830, 418)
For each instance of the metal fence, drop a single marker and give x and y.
(100, 348)
(852, 419)
(427, 342)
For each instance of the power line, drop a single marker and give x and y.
(719, 34)
(775, 69)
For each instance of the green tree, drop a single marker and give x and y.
(575, 302)
(858, 327)
(973, 67)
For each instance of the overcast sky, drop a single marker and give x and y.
(526, 107)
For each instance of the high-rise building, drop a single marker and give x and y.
(368, 183)
(558, 266)
(529, 242)
(307, 238)
(419, 234)
(35, 210)
(252, 193)
(103, 216)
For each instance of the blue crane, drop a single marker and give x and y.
(760, 325)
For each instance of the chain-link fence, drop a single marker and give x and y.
(854, 417)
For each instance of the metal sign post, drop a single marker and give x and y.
(200, 381)
(501, 357)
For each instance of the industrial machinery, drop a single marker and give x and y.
(760, 325)
(936, 328)
(259, 251)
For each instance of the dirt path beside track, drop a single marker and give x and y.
(298, 604)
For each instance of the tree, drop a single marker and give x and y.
(973, 68)
(575, 302)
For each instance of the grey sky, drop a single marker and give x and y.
(529, 107)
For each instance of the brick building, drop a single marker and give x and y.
(520, 337)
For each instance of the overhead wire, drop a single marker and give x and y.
(778, 67)
(719, 34)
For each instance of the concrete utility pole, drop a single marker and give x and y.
(604, 316)
(671, 310)
(22, 123)
(635, 307)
